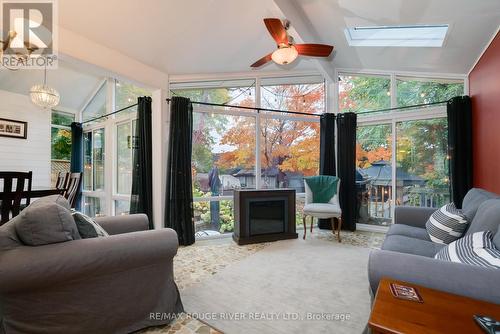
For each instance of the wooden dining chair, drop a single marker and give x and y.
(11, 194)
(62, 180)
(72, 187)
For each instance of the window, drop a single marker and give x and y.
(126, 94)
(125, 134)
(358, 93)
(289, 145)
(397, 36)
(93, 144)
(93, 206)
(110, 195)
(60, 143)
(97, 105)
(122, 207)
(401, 154)
(422, 158)
(374, 179)
(233, 92)
(412, 91)
(225, 142)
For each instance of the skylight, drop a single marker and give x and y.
(397, 36)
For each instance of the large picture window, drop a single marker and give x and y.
(402, 153)
(108, 144)
(226, 155)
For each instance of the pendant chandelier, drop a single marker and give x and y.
(44, 96)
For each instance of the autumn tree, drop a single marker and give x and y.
(285, 144)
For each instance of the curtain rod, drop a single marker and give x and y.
(303, 113)
(111, 113)
(250, 108)
(399, 108)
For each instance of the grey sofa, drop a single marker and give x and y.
(407, 252)
(98, 285)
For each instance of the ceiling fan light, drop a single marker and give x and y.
(44, 96)
(285, 55)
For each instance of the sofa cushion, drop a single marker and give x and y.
(87, 228)
(446, 224)
(496, 239)
(473, 199)
(403, 244)
(476, 249)
(46, 222)
(409, 231)
(487, 217)
(8, 235)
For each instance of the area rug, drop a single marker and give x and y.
(293, 286)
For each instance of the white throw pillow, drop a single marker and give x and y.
(476, 249)
(446, 224)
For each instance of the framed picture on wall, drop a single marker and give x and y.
(13, 129)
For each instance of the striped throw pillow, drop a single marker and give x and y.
(476, 249)
(446, 224)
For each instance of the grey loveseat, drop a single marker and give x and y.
(96, 285)
(407, 252)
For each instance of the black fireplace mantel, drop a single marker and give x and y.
(264, 215)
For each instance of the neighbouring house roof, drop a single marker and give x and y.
(380, 173)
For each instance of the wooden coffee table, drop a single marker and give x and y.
(440, 312)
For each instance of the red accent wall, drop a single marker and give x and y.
(484, 89)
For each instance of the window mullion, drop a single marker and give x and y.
(257, 134)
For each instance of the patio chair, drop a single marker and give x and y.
(317, 206)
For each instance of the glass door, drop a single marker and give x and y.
(374, 174)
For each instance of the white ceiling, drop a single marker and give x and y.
(211, 36)
(74, 86)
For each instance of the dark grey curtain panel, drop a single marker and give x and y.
(327, 154)
(76, 163)
(179, 194)
(142, 174)
(346, 149)
(459, 111)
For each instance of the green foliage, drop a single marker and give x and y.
(126, 94)
(411, 92)
(361, 93)
(422, 145)
(206, 126)
(60, 144)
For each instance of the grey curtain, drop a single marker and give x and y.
(179, 192)
(459, 111)
(142, 179)
(327, 154)
(76, 163)
(346, 148)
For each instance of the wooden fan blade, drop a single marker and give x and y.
(262, 61)
(314, 50)
(277, 31)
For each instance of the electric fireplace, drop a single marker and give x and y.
(264, 215)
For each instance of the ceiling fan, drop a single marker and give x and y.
(287, 50)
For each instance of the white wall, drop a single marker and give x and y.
(28, 154)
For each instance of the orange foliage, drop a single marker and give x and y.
(285, 144)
